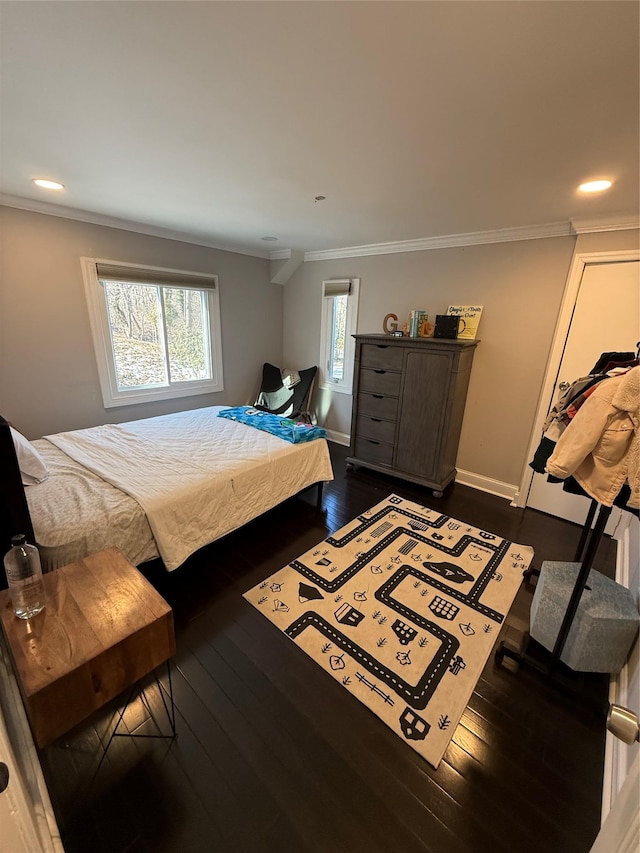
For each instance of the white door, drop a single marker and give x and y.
(606, 318)
(620, 833)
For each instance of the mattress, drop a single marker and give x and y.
(163, 486)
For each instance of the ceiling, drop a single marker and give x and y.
(223, 121)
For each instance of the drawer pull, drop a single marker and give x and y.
(377, 420)
(382, 346)
(378, 396)
(371, 441)
(379, 371)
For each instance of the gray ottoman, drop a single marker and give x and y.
(605, 625)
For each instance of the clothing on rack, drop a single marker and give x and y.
(570, 401)
(570, 412)
(558, 417)
(608, 358)
(601, 446)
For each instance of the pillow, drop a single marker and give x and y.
(32, 467)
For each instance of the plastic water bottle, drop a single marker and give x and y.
(24, 575)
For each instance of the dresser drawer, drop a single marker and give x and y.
(380, 381)
(375, 428)
(370, 450)
(378, 406)
(382, 355)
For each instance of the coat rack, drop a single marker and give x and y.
(585, 554)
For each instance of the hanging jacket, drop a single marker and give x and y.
(558, 419)
(601, 445)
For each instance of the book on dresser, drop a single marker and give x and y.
(409, 396)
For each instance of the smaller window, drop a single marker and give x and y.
(156, 332)
(339, 319)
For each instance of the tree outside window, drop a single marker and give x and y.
(156, 332)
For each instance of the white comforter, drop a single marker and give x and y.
(196, 476)
(75, 513)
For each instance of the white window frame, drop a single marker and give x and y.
(98, 317)
(353, 285)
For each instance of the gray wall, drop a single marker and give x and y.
(48, 374)
(520, 285)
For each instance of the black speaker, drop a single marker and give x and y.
(447, 326)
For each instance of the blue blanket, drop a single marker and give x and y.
(282, 427)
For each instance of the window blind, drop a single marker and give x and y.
(340, 287)
(148, 275)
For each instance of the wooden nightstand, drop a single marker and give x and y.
(104, 627)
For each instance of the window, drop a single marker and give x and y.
(156, 332)
(339, 319)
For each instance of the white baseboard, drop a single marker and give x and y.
(339, 437)
(466, 478)
(487, 484)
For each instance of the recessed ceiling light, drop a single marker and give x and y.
(46, 184)
(269, 239)
(594, 186)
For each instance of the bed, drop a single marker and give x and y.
(159, 487)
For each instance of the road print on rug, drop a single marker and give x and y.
(402, 606)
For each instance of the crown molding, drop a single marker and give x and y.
(473, 238)
(280, 255)
(616, 222)
(78, 215)
(619, 222)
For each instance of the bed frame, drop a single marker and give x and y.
(14, 511)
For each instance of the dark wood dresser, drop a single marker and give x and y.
(408, 401)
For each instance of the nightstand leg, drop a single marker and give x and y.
(167, 703)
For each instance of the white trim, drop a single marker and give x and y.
(502, 235)
(27, 795)
(346, 386)
(621, 534)
(334, 388)
(280, 255)
(339, 437)
(486, 484)
(78, 215)
(621, 222)
(570, 296)
(615, 753)
(99, 323)
(616, 222)
(621, 830)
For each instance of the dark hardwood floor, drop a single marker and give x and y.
(273, 755)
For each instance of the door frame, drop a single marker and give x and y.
(563, 324)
